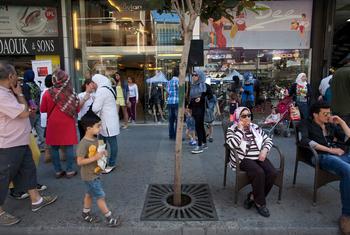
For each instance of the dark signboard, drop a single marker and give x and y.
(29, 46)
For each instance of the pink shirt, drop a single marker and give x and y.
(14, 131)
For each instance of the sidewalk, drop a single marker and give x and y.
(146, 157)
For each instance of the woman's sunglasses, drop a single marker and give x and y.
(246, 116)
(194, 74)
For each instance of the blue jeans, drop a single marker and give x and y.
(304, 109)
(340, 165)
(94, 188)
(56, 157)
(172, 109)
(113, 146)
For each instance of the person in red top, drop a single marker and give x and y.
(61, 105)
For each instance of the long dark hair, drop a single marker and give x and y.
(86, 82)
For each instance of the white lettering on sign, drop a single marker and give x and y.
(45, 46)
(13, 46)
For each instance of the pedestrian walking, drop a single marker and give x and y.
(88, 153)
(172, 90)
(133, 99)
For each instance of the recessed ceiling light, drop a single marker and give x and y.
(348, 20)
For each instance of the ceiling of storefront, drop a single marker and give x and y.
(341, 39)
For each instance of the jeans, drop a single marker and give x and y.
(35, 122)
(94, 188)
(304, 109)
(340, 165)
(56, 158)
(172, 110)
(113, 146)
(132, 109)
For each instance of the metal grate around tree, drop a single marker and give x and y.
(197, 203)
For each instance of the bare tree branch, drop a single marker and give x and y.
(183, 6)
(190, 6)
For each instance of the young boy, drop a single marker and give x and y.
(87, 156)
(190, 127)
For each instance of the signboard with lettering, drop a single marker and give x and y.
(29, 46)
(285, 25)
(23, 21)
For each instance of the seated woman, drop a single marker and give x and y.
(252, 146)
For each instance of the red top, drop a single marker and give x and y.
(61, 128)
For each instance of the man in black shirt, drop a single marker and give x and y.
(325, 133)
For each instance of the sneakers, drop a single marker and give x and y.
(41, 187)
(7, 220)
(88, 217)
(344, 224)
(204, 146)
(18, 195)
(192, 143)
(113, 222)
(47, 200)
(108, 169)
(197, 149)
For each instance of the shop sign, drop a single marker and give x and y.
(23, 21)
(29, 46)
(284, 25)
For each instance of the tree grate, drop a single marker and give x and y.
(197, 203)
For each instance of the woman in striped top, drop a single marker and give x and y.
(252, 146)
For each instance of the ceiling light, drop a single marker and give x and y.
(348, 20)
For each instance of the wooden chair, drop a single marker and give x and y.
(241, 176)
(309, 156)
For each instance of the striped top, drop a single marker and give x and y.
(247, 144)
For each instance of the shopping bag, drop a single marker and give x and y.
(294, 113)
(35, 149)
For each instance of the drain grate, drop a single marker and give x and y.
(198, 204)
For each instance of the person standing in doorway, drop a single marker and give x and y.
(133, 99)
(122, 90)
(301, 93)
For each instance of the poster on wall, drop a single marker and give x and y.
(23, 21)
(285, 25)
(41, 69)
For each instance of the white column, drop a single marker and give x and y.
(65, 38)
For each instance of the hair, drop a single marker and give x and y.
(132, 80)
(48, 81)
(89, 120)
(317, 106)
(115, 74)
(233, 96)
(176, 72)
(86, 82)
(6, 70)
(303, 15)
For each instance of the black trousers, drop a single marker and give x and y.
(262, 176)
(198, 116)
(16, 165)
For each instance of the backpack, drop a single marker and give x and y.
(34, 93)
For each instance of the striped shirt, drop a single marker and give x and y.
(246, 143)
(173, 91)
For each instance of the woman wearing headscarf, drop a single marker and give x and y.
(301, 93)
(198, 93)
(252, 146)
(105, 107)
(61, 104)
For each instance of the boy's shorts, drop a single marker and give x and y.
(94, 188)
(190, 124)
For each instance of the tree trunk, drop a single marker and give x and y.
(180, 116)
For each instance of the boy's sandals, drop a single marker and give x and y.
(90, 218)
(71, 174)
(113, 222)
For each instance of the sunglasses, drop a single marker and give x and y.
(327, 113)
(194, 74)
(246, 116)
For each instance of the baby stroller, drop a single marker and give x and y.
(280, 124)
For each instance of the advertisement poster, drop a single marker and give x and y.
(285, 25)
(41, 69)
(23, 21)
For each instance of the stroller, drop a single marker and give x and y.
(280, 122)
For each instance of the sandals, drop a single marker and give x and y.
(90, 218)
(113, 222)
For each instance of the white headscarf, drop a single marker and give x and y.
(101, 80)
(299, 81)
